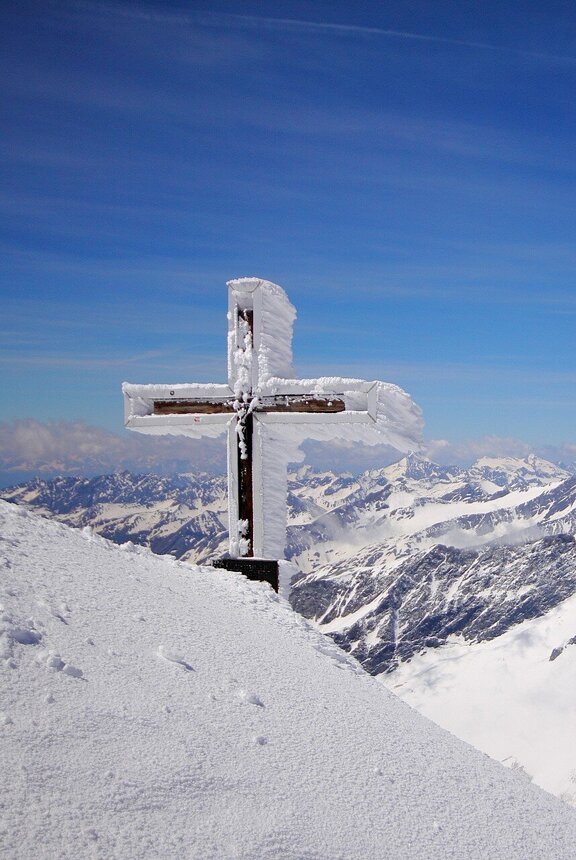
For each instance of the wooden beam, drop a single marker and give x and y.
(302, 403)
(245, 482)
(245, 488)
(192, 407)
(282, 403)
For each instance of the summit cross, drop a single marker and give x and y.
(266, 414)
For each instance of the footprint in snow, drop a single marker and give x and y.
(174, 657)
(12, 634)
(52, 610)
(72, 671)
(251, 698)
(25, 635)
(53, 660)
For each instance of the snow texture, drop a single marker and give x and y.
(201, 718)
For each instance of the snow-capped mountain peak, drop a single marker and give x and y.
(515, 471)
(417, 468)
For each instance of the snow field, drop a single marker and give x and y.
(204, 719)
(513, 697)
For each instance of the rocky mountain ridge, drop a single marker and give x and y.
(392, 562)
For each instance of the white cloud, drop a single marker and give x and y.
(362, 30)
(467, 451)
(30, 446)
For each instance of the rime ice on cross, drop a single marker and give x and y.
(267, 413)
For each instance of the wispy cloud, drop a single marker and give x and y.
(179, 18)
(179, 274)
(467, 451)
(362, 30)
(475, 282)
(176, 362)
(510, 373)
(45, 360)
(453, 373)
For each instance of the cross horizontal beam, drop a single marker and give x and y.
(282, 403)
(192, 407)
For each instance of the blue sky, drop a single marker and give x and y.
(406, 171)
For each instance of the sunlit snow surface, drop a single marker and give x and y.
(152, 710)
(513, 697)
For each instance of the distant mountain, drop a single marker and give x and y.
(385, 614)
(181, 516)
(393, 561)
(440, 552)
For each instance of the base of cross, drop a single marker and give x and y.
(258, 569)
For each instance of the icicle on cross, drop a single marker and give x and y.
(267, 413)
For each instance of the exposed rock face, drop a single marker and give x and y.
(441, 592)
(476, 574)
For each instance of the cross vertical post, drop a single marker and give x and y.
(244, 447)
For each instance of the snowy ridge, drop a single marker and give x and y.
(457, 553)
(183, 516)
(156, 710)
(406, 563)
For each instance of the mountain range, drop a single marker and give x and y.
(391, 562)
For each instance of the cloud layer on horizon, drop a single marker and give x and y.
(30, 447)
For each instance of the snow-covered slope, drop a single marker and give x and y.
(513, 697)
(184, 516)
(150, 709)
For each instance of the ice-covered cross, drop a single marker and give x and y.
(267, 413)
